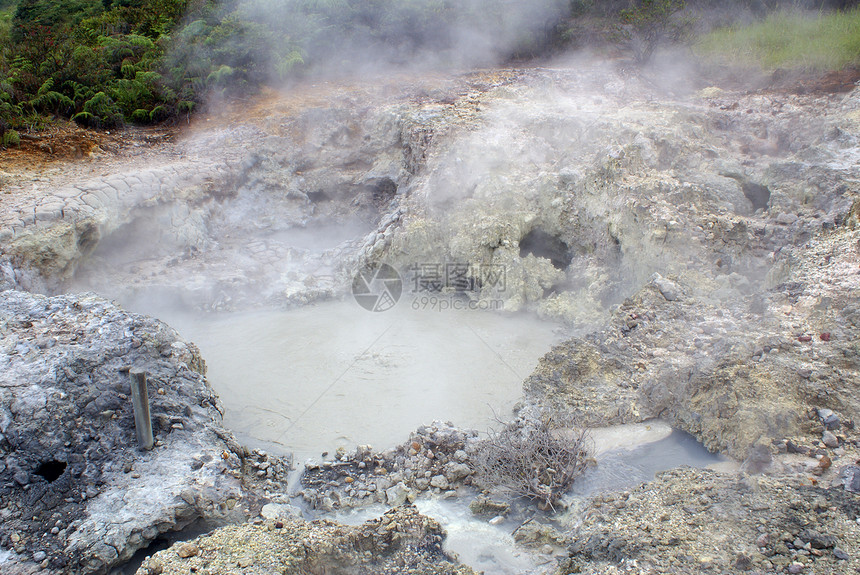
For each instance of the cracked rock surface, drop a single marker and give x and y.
(78, 495)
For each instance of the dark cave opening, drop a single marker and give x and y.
(543, 245)
(757, 194)
(51, 470)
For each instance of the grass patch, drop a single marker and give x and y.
(808, 42)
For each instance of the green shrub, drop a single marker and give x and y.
(140, 116)
(159, 114)
(11, 138)
(48, 100)
(102, 112)
(95, 51)
(86, 119)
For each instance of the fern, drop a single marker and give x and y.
(85, 119)
(51, 101)
(219, 76)
(11, 138)
(284, 65)
(158, 114)
(128, 70)
(80, 92)
(45, 87)
(140, 116)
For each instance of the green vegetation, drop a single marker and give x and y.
(827, 41)
(104, 63)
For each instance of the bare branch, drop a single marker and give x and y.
(537, 459)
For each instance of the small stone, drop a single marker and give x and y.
(792, 447)
(798, 543)
(497, 520)
(831, 422)
(187, 550)
(840, 554)
(742, 562)
(439, 481)
(397, 495)
(825, 462)
(851, 478)
(818, 540)
(547, 550)
(786, 219)
(279, 511)
(795, 568)
(486, 507)
(55, 530)
(829, 439)
(457, 471)
(39, 556)
(668, 289)
(762, 540)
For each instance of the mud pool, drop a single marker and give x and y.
(317, 378)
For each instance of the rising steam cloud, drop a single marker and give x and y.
(337, 37)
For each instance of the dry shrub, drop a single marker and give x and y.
(538, 460)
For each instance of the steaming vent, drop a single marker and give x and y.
(543, 245)
(757, 194)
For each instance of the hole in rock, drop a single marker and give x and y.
(543, 245)
(51, 470)
(165, 540)
(757, 194)
(318, 197)
(383, 192)
(89, 238)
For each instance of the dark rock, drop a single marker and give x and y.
(851, 478)
(817, 540)
(832, 422)
(743, 562)
(792, 447)
(840, 554)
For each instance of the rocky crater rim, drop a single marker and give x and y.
(703, 248)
